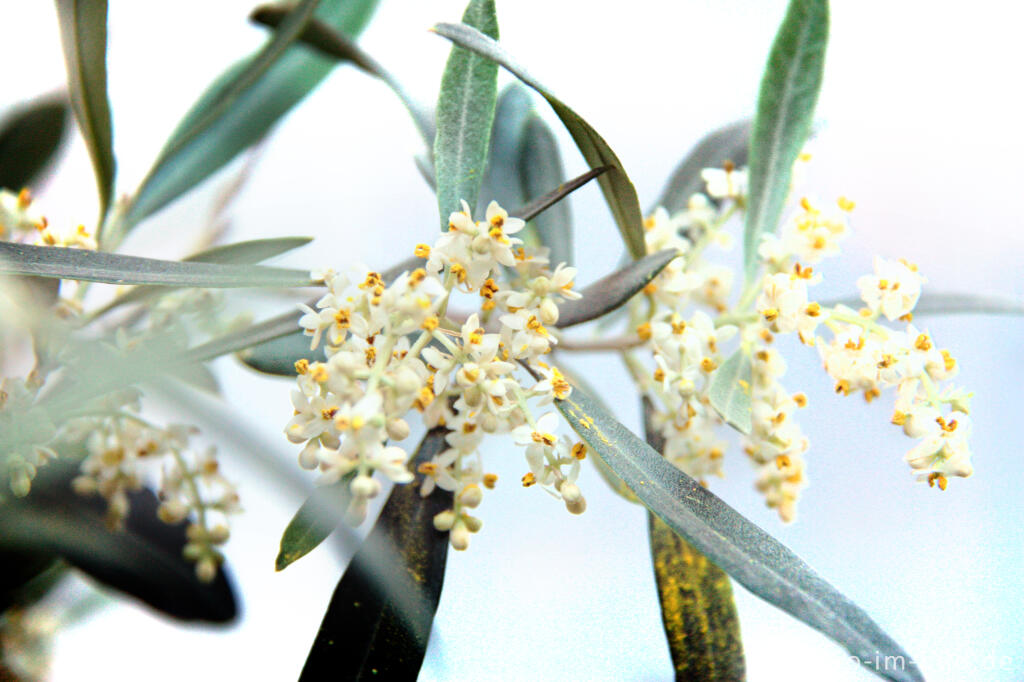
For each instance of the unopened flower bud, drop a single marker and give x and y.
(192, 551)
(444, 521)
(459, 537)
(356, 512)
(488, 422)
(206, 569)
(406, 381)
(578, 506)
(308, 456)
(471, 496)
(548, 311)
(219, 534)
(172, 512)
(364, 487)
(473, 524)
(398, 429)
(84, 485)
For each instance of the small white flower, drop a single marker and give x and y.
(892, 290)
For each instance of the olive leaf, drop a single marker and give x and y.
(113, 268)
(144, 560)
(728, 143)
(615, 184)
(501, 180)
(540, 167)
(83, 34)
(950, 304)
(317, 518)
(380, 615)
(697, 607)
(729, 392)
(785, 112)
(753, 558)
(612, 291)
(29, 137)
(240, 107)
(465, 114)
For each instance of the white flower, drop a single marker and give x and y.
(725, 183)
(892, 290)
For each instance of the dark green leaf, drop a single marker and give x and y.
(278, 357)
(538, 206)
(612, 291)
(753, 558)
(785, 112)
(144, 560)
(730, 391)
(729, 143)
(501, 181)
(29, 137)
(27, 577)
(83, 33)
(465, 113)
(243, 115)
(540, 167)
(113, 268)
(617, 188)
(379, 618)
(317, 518)
(331, 43)
(950, 304)
(697, 606)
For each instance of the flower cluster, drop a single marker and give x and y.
(391, 348)
(687, 343)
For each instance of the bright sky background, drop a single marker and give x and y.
(920, 125)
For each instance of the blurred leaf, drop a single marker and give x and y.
(83, 33)
(748, 554)
(501, 180)
(144, 560)
(616, 185)
(331, 43)
(239, 253)
(278, 357)
(785, 112)
(697, 606)
(541, 204)
(317, 518)
(29, 137)
(379, 618)
(114, 268)
(240, 107)
(540, 167)
(729, 392)
(728, 143)
(465, 113)
(27, 577)
(612, 291)
(950, 304)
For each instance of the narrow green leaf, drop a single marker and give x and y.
(540, 167)
(239, 253)
(243, 115)
(728, 143)
(29, 137)
(144, 560)
(950, 304)
(465, 113)
(113, 268)
(615, 184)
(612, 291)
(697, 607)
(278, 357)
(83, 34)
(501, 181)
(753, 558)
(541, 204)
(730, 391)
(317, 518)
(379, 618)
(333, 44)
(785, 112)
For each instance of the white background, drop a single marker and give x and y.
(921, 127)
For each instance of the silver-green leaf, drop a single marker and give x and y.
(83, 34)
(728, 143)
(540, 167)
(730, 391)
(753, 558)
(465, 113)
(615, 184)
(785, 112)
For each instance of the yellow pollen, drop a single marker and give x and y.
(947, 360)
(579, 450)
(644, 331)
(427, 468)
(529, 479)
(24, 198)
(871, 394)
(534, 325)
(936, 477)
(805, 204)
(770, 314)
(650, 288)
(883, 284)
(421, 251)
(498, 220)
(328, 412)
(708, 365)
(716, 453)
(497, 235)
(909, 317)
(319, 373)
(766, 336)
(543, 438)
(846, 205)
(898, 418)
(468, 427)
(782, 461)
(678, 326)
(659, 374)
(342, 423)
(728, 166)
(800, 399)
(649, 223)
(490, 480)
(430, 324)
(813, 309)
(358, 422)
(922, 342)
(371, 355)
(460, 273)
(301, 366)
(342, 319)
(843, 386)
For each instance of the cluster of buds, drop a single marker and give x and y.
(392, 349)
(21, 220)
